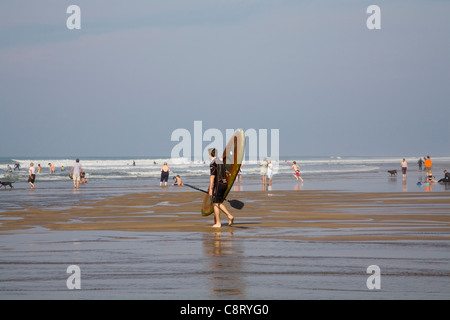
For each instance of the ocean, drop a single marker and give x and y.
(105, 169)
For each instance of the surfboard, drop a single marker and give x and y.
(232, 159)
(423, 183)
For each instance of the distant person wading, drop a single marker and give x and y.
(164, 174)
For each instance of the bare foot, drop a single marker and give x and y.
(217, 225)
(231, 221)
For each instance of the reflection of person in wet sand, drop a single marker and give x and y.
(222, 253)
(217, 187)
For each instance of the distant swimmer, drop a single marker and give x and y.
(39, 168)
(164, 174)
(51, 168)
(8, 169)
(17, 166)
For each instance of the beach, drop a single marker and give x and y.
(153, 243)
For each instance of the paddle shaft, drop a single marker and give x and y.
(195, 188)
(234, 206)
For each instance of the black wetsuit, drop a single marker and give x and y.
(217, 169)
(446, 178)
(164, 176)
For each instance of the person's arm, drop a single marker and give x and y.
(211, 184)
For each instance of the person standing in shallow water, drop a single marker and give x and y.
(32, 175)
(263, 170)
(217, 188)
(164, 174)
(404, 166)
(76, 169)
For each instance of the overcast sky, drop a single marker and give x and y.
(138, 70)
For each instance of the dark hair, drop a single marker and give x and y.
(212, 152)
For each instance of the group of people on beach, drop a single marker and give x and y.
(76, 173)
(266, 171)
(428, 170)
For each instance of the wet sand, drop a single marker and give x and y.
(283, 245)
(343, 216)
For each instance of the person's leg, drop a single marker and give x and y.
(229, 216)
(217, 223)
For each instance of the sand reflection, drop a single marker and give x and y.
(225, 262)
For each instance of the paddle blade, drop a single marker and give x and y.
(236, 204)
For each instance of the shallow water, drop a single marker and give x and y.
(244, 264)
(61, 194)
